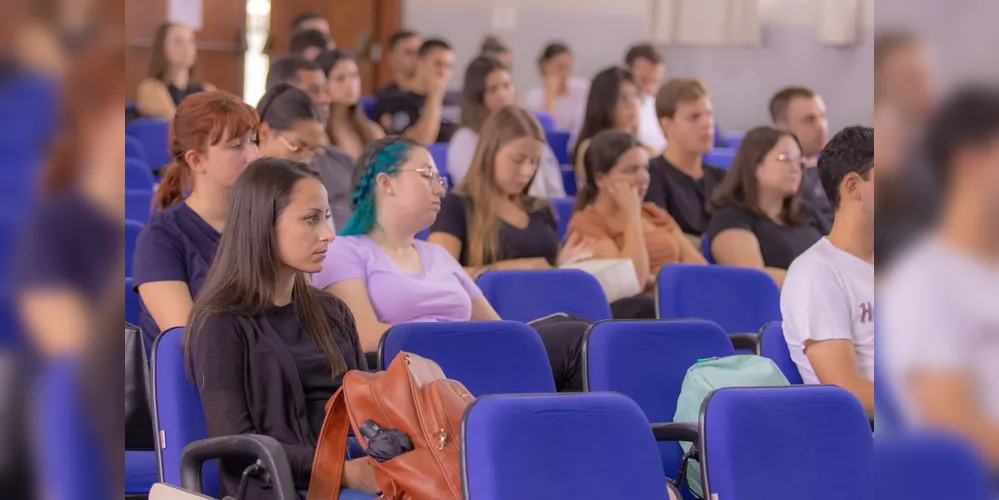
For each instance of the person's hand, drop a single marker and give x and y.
(438, 87)
(359, 475)
(625, 194)
(576, 248)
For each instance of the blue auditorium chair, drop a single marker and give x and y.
(488, 357)
(720, 157)
(438, 151)
(558, 140)
(70, 459)
(773, 345)
(529, 295)
(132, 230)
(183, 437)
(155, 138)
(647, 361)
(578, 446)
(134, 149)
(786, 443)
(741, 300)
(546, 120)
(569, 180)
(563, 209)
(138, 205)
(138, 176)
(132, 304)
(904, 467)
(368, 103)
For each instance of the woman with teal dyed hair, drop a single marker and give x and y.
(387, 276)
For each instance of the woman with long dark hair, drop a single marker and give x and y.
(285, 344)
(173, 74)
(612, 104)
(610, 210)
(488, 88)
(758, 220)
(349, 128)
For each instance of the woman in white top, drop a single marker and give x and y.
(560, 95)
(489, 87)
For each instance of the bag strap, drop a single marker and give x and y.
(331, 452)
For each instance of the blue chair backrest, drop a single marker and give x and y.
(720, 157)
(134, 149)
(132, 230)
(558, 140)
(138, 205)
(647, 361)
(786, 443)
(155, 138)
(438, 151)
(773, 345)
(739, 299)
(69, 457)
(177, 413)
(368, 103)
(132, 304)
(528, 295)
(905, 465)
(569, 179)
(563, 209)
(489, 357)
(731, 140)
(558, 446)
(546, 121)
(138, 175)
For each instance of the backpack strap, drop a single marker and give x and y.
(331, 452)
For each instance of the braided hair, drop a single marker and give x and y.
(383, 156)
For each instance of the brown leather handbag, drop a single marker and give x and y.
(412, 396)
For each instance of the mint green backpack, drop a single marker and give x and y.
(716, 373)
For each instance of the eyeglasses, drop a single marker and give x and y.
(296, 149)
(786, 158)
(431, 174)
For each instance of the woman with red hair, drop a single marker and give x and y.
(213, 137)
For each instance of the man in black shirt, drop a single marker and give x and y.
(403, 56)
(680, 182)
(425, 111)
(802, 112)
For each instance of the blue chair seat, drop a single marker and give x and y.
(141, 471)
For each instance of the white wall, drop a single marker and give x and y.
(742, 79)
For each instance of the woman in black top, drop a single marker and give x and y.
(266, 349)
(489, 222)
(757, 218)
(172, 74)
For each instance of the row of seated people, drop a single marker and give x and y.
(396, 195)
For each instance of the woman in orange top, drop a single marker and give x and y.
(609, 209)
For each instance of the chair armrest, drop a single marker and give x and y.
(747, 341)
(676, 431)
(265, 449)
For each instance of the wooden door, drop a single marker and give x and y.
(221, 41)
(359, 26)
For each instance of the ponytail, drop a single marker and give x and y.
(171, 189)
(585, 196)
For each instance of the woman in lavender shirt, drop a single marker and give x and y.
(387, 276)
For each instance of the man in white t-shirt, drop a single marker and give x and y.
(827, 300)
(648, 66)
(939, 334)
